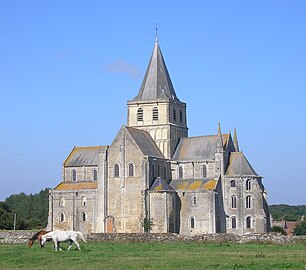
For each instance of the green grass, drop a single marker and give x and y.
(155, 256)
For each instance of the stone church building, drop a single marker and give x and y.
(153, 177)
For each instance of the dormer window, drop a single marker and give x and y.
(140, 114)
(155, 114)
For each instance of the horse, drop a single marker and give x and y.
(37, 236)
(58, 236)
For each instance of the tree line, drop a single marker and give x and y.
(287, 212)
(31, 211)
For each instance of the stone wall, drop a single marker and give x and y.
(15, 237)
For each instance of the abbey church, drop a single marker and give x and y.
(153, 177)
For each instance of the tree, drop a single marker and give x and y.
(278, 229)
(300, 228)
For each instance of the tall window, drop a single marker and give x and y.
(158, 171)
(84, 201)
(248, 200)
(180, 172)
(74, 175)
(234, 223)
(234, 201)
(165, 172)
(181, 116)
(62, 202)
(248, 185)
(131, 169)
(174, 115)
(95, 175)
(116, 170)
(83, 216)
(140, 114)
(62, 217)
(194, 200)
(204, 171)
(248, 222)
(192, 222)
(233, 184)
(155, 113)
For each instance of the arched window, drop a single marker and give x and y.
(62, 202)
(62, 217)
(194, 200)
(192, 222)
(248, 185)
(95, 175)
(234, 201)
(234, 223)
(116, 170)
(181, 116)
(204, 171)
(155, 114)
(84, 201)
(131, 169)
(74, 176)
(174, 115)
(248, 222)
(83, 216)
(233, 184)
(180, 172)
(140, 114)
(248, 200)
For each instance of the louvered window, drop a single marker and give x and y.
(155, 114)
(174, 115)
(140, 114)
(181, 116)
(204, 171)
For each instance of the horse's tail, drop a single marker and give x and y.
(81, 236)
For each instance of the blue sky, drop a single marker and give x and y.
(67, 69)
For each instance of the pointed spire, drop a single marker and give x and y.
(156, 84)
(236, 141)
(219, 146)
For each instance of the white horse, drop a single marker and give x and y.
(59, 236)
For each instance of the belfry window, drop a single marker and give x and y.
(234, 201)
(116, 170)
(155, 114)
(181, 116)
(180, 172)
(248, 200)
(74, 176)
(248, 185)
(140, 114)
(204, 171)
(95, 175)
(131, 169)
(174, 114)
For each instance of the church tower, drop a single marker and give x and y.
(157, 109)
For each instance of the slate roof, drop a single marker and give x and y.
(156, 84)
(84, 156)
(145, 142)
(239, 165)
(198, 148)
(193, 184)
(76, 185)
(160, 185)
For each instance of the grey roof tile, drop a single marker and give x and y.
(239, 165)
(160, 185)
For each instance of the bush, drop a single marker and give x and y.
(300, 229)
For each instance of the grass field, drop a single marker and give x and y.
(155, 256)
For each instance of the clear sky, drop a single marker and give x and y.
(67, 69)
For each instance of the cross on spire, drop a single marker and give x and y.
(156, 31)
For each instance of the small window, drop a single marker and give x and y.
(234, 223)
(192, 222)
(131, 169)
(248, 185)
(83, 216)
(248, 222)
(174, 115)
(62, 217)
(74, 176)
(233, 184)
(234, 201)
(155, 114)
(62, 202)
(248, 200)
(84, 201)
(180, 172)
(194, 200)
(181, 116)
(158, 171)
(165, 172)
(95, 175)
(116, 170)
(204, 171)
(140, 114)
